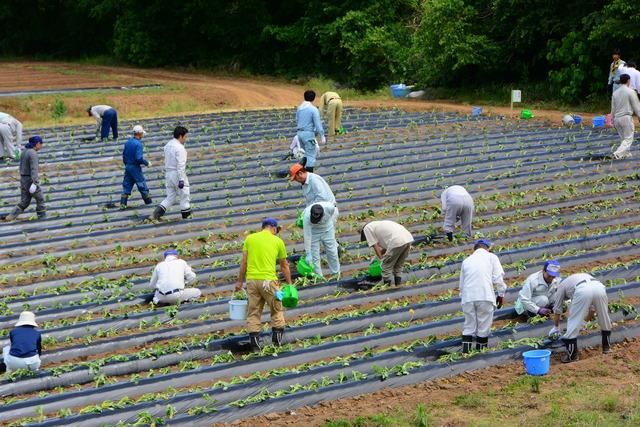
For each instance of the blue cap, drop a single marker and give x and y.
(170, 252)
(485, 242)
(552, 267)
(33, 141)
(269, 221)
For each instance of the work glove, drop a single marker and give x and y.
(542, 311)
(554, 331)
(499, 301)
(33, 188)
(180, 184)
(323, 139)
(279, 295)
(148, 164)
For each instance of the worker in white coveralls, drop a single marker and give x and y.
(537, 294)
(584, 292)
(319, 221)
(614, 71)
(331, 111)
(479, 272)
(392, 243)
(106, 119)
(176, 181)
(624, 104)
(169, 277)
(308, 125)
(314, 188)
(10, 136)
(457, 206)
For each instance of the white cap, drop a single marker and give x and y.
(27, 318)
(139, 129)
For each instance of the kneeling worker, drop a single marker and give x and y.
(319, 221)
(391, 243)
(169, 278)
(260, 252)
(537, 294)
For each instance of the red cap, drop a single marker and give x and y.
(295, 169)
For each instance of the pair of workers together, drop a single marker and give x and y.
(541, 294)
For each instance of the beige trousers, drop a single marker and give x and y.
(393, 260)
(334, 116)
(261, 292)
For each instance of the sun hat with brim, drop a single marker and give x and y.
(295, 169)
(27, 318)
(139, 129)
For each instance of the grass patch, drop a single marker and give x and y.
(321, 85)
(398, 418)
(468, 401)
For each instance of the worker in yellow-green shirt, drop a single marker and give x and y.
(260, 252)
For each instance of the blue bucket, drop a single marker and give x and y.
(598, 121)
(536, 362)
(476, 111)
(399, 90)
(577, 119)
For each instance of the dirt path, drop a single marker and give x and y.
(472, 397)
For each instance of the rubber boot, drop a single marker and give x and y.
(386, 282)
(572, 350)
(146, 199)
(309, 169)
(482, 342)
(123, 201)
(254, 341)
(467, 343)
(606, 342)
(41, 214)
(397, 280)
(158, 212)
(450, 236)
(14, 214)
(277, 336)
(186, 213)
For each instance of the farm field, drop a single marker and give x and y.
(111, 359)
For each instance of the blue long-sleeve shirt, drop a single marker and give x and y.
(315, 189)
(133, 153)
(308, 119)
(25, 342)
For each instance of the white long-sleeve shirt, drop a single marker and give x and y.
(175, 158)
(171, 274)
(479, 272)
(624, 102)
(634, 81)
(14, 124)
(97, 111)
(453, 191)
(534, 286)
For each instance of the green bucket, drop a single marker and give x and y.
(304, 269)
(299, 220)
(289, 296)
(526, 114)
(341, 131)
(375, 268)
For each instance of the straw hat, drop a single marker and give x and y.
(27, 318)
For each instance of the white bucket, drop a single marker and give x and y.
(238, 309)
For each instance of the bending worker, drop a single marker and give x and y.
(319, 221)
(25, 346)
(29, 180)
(260, 252)
(537, 294)
(584, 292)
(314, 188)
(169, 277)
(457, 205)
(391, 242)
(624, 104)
(331, 111)
(133, 159)
(308, 125)
(176, 181)
(478, 273)
(10, 136)
(106, 118)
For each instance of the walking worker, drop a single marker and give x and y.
(614, 71)
(133, 159)
(314, 188)
(169, 277)
(457, 205)
(106, 118)
(308, 125)
(260, 252)
(319, 221)
(29, 180)
(584, 292)
(176, 181)
(479, 272)
(10, 136)
(331, 111)
(391, 242)
(25, 346)
(537, 294)
(624, 104)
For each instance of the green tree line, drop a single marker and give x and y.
(359, 43)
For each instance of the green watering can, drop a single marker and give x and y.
(526, 114)
(305, 269)
(300, 221)
(375, 268)
(289, 296)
